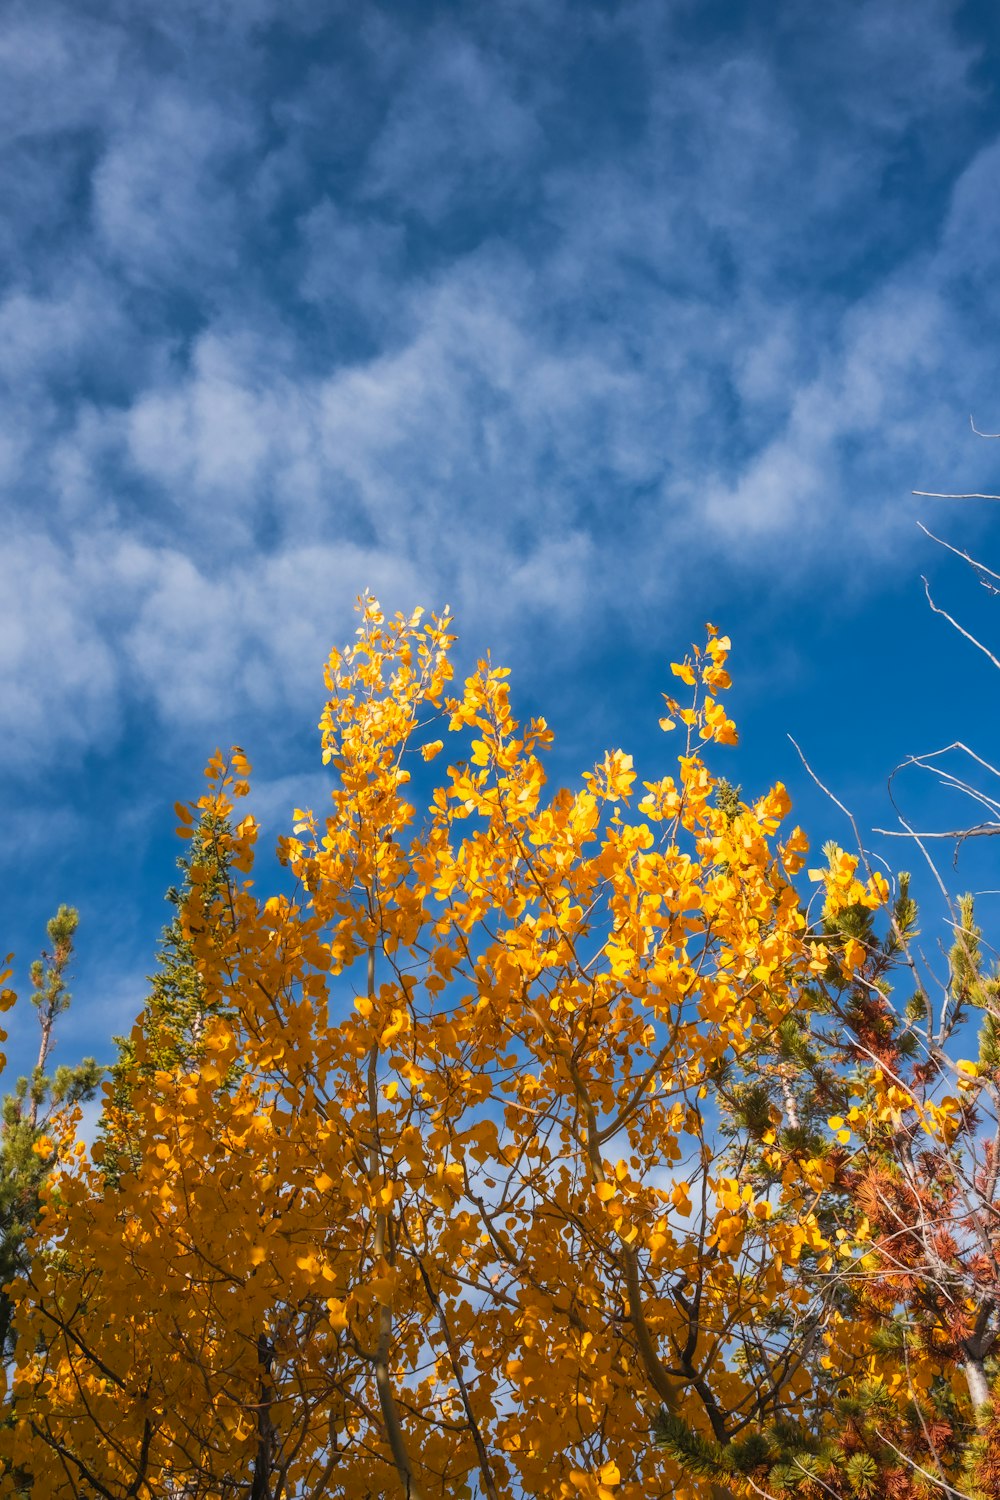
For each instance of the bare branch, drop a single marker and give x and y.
(981, 830)
(972, 561)
(939, 495)
(960, 628)
(823, 788)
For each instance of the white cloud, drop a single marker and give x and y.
(402, 323)
(210, 435)
(57, 70)
(353, 269)
(453, 118)
(205, 647)
(970, 244)
(56, 336)
(59, 690)
(161, 205)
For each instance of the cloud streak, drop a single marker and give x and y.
(295, 308)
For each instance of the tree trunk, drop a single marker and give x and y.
(979, 1388)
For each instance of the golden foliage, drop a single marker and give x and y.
(460, 1226)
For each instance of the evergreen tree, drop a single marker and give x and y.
(859, 1094)
(25, 1155)
(167, 1036)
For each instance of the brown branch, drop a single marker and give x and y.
(387, 1400)
(455, 1358)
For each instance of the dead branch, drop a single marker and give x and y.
(960, 628)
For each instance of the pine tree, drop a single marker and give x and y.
(167, 1036)
(25, 1155)
(855, 1091)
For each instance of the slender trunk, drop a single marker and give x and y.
(788, 1097)
(387, 1400)
(6, 1316)
(261, 1488)
(43, 1056)
(665, 1386)
(979, 1388)
(454, 1354)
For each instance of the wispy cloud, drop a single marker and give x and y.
(298, 306)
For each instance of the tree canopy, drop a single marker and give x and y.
(523, 1142)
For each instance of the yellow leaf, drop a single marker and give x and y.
(680, 1198)
(854, 954)
(338, 1312)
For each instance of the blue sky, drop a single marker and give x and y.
(594, 320)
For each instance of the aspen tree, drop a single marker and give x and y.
(461, 1222)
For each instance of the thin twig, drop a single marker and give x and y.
(981, 830)
(939, 495)
(973, 562)
(960, 628)
(836, 800)
(942, 1484)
